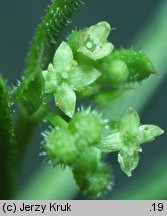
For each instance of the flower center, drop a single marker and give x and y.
(64, 75)
(89, 45)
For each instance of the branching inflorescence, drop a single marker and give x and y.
(86, 65)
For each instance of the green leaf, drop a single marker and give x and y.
(63, 58)
(65, 98)
(82, 76)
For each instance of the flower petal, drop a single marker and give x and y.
(130, 122)
(63, 58)
(65, 99)
(103, 50)
(98, 52)
(99, 32)
(149, 133)
(82, 76)
(51, 79)
(111, 143)
(128, 161)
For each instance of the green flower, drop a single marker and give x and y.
(128, 138)
(64, 76)
(93, 41)
(133, 133)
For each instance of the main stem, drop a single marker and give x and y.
(42, 49)
(8, 151)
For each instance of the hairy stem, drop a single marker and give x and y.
(42, 50)
(24, 129)
(43, 44)
(29, 92)
(7, 145)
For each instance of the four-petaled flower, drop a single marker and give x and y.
(93, 41)
(64, 76)
(128, 138)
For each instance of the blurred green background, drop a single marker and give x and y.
(140, 25)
